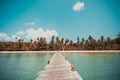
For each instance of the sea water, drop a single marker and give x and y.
(90, 66)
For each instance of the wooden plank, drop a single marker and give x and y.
(58, 69)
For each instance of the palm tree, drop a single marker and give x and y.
(102, 45)
(57, 40)
(52, 44)
(41, 41)
(108, 39)
(31, 40)
(66, 41)
(102, 38)
(82, 42)
(57, 43)
(62, 41)
(86, 45)
(108, 45)
(71, 42)
(78, 40)
(90, 38)
(19, 40)
(118, 35)
(70, 46)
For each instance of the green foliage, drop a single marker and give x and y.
(40, 44)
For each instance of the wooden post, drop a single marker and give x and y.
(72, 67)
(48, 61)
(65, 58)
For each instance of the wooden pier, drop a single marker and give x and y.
(58, 68)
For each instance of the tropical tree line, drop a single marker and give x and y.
(56, 43)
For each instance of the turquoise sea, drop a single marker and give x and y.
(91, 66)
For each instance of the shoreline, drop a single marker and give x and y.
(77, 51)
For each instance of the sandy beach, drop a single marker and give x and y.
(80, 51)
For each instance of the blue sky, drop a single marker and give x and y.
(32, 18)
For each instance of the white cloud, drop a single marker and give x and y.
(33, 34)
(29, 23)
(29, 34)
(4, 37)
(20, 33)
(78, 6)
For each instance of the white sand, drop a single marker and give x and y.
(71, 51)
